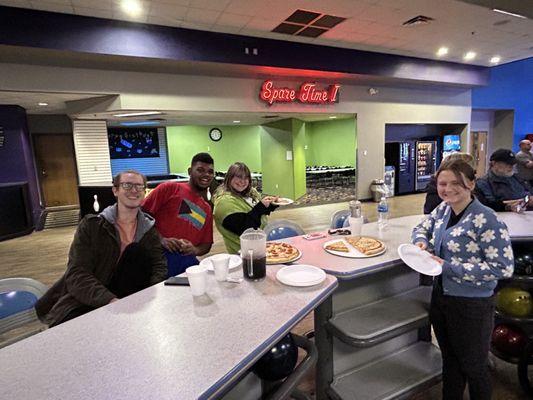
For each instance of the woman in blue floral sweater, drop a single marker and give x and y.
(474, 249)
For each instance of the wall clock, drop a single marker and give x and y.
(215, 134)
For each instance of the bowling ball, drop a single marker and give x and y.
(523, 264)
(509, 340)
(514, 301)
(279, 361)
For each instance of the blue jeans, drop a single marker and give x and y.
(178, 263)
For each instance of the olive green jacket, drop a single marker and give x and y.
(92, 259)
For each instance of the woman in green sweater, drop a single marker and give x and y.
(238, 206)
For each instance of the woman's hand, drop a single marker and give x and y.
(422, 245)
(268, 199)
(438, 259)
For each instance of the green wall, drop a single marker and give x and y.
(298, 153)
(238, 143)
(331, 142)
(278, 175)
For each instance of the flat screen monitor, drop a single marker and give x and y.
(133, 142)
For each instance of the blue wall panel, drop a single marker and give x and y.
(510, 88)
(147, 166)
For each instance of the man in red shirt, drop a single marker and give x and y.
(182, 215)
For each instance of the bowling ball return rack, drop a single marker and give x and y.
(524, 323)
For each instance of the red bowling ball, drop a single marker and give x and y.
(509, 340)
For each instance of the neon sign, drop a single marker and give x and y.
(308, 93)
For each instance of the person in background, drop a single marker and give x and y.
(524, 162)
(238, 206)
(432, 197)
(114, 254)
(474, 249)
(183, 216)
(501, 189)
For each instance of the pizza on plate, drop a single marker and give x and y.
(366, 245)
(338, 246)
(278, 252)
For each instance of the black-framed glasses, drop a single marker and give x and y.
(139, 187)
(339, 232)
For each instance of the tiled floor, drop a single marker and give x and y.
(42, 256)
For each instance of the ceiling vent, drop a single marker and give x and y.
(418, 20)
(308, 23)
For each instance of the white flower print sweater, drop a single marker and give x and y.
(476, 251)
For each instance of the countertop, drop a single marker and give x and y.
(160, 343)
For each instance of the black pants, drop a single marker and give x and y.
(131, 275)
(463, 327)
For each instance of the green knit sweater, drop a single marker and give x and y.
(227, 203)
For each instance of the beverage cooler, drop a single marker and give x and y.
(401, 156)
(426, 163)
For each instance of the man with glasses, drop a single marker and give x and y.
(114, 254)
(183, 216)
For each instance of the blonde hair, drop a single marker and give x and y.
(468, 158)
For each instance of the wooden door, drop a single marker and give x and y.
(56, 169)
(478, 150)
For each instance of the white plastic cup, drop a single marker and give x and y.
(197, 275)
(220, 266)
(356, 225)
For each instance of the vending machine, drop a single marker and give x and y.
(450, 144)
(426, 163)
(401, 156)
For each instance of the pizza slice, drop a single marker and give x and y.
(366, 245)
(338, 246)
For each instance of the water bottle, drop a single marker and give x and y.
(355, 208)
(383, 212)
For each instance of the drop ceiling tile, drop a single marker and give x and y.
(217, 5)
(233, 20)
(93, 4)
(164, 21)
(16, 3)
(164, 10)
(202, 16)
(196, 25)
(91, 12)
(53, 7)
(261, 23)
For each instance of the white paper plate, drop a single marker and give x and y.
(234, 262)
(283, 201)
(419, 260)
(301, 275)
(353, 253)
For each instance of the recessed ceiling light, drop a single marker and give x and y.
(138, 114)
(442, 51)
(333, 117)
(469, 56)
(495, 60)
(508, 13)
(131, 7)
(42, 104)
(236, 121)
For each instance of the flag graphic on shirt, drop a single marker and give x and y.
(192, 213)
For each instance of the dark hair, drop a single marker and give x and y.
(202, 157)
(460, 168)
(117, 177)
(237, 169)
